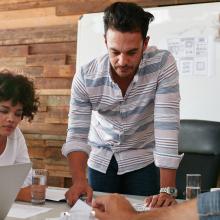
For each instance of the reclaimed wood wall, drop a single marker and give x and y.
(38, 39)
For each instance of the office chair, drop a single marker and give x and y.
(200, 142)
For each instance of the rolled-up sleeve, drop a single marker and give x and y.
(166, 117)
(79, 117)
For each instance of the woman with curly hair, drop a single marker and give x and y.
(17, 100)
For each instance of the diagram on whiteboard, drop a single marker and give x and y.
(192, 54)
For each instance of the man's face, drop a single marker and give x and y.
(125, 51)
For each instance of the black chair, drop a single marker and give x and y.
(200, 142)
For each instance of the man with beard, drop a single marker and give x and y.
(124, 115)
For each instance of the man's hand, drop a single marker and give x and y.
(113, 206)
(79, 188)
(160, 200)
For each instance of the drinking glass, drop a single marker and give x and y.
(39, 184)
(193, 185)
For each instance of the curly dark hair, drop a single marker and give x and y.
(127, 17)
(19, 89)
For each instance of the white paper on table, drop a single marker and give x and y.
(81, 211)
(52, 218)
(55, 193)
(26, 211)
(138, 205)
(214, 189)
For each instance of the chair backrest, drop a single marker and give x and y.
(200, 142)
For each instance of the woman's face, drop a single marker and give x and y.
(10, 116)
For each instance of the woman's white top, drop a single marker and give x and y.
(16, 152)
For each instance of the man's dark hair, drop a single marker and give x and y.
(127, 17)
(19, 89)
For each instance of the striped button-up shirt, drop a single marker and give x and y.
(139, 128)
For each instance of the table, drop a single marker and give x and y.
(58, 207)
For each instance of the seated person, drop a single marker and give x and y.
(117, 207)
(17, 100)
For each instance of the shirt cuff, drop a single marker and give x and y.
(167, 160)
(72, 146)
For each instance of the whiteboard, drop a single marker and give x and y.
(189, 32)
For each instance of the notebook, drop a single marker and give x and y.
(12, 178)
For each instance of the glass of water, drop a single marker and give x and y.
(193, 185)
(39, 184)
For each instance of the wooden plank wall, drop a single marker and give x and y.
(38, 39)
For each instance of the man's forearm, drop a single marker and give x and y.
(78, 164)
(167, 177)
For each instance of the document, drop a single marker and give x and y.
(26, 211)
(214, 189)
(56, 194)
(138, 205)
(81, 210)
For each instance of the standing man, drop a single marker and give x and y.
(124, 115)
